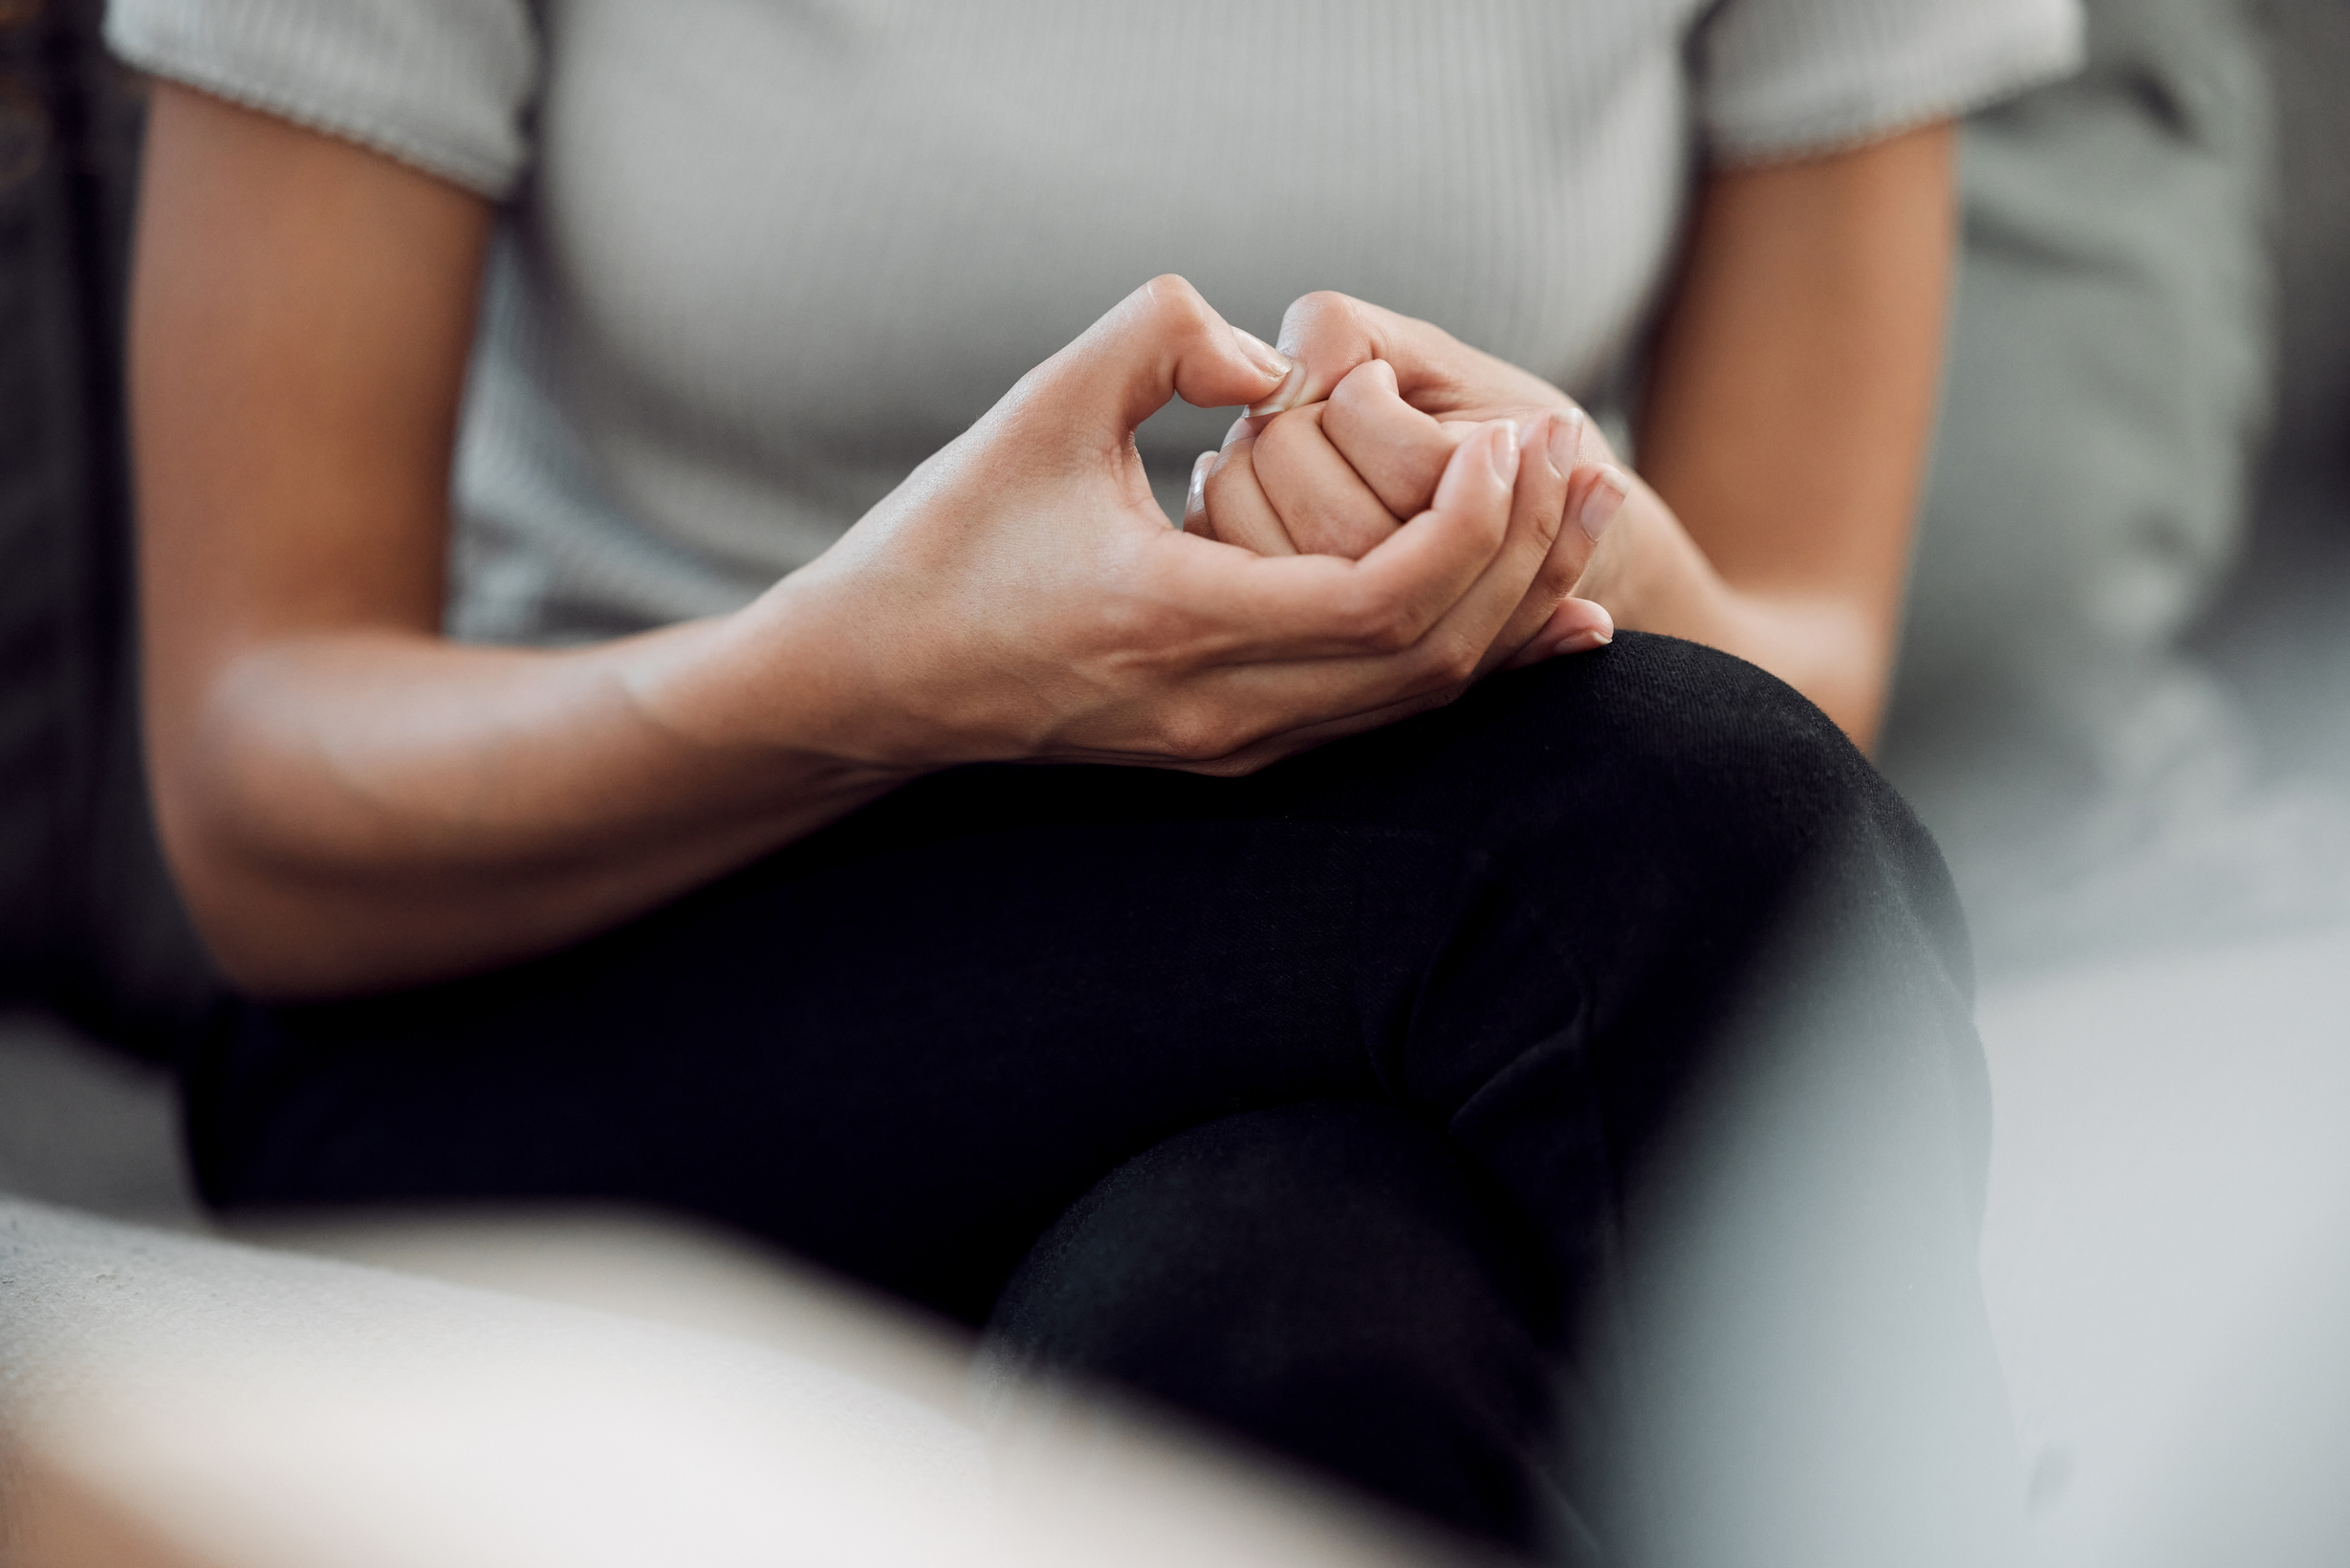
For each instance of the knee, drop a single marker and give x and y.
(1722, 737)
(1704, 802)
(1749, 774)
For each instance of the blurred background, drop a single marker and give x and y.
(2123, 707)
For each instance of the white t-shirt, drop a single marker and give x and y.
(757, 258)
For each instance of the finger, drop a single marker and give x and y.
(1577, 626)
(1446, 578)
(1522, 585)
(1195, 497)
(1474, 630)
(1237, 606)
(1162, 341)
(1258, 703)
(1419, 574)
(1237, 717)
(1324, 503)
(1234, 504)
(1557, 481)
(1594, 501)
(1537, 505)
(1399, 452)
(1328, 334)
(1271, 748)
(1275, 709)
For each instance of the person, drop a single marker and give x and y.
(603, 607)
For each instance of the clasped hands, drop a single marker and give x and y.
(1397, 516)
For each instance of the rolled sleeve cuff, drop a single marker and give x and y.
(443, 85)
(1784, 79)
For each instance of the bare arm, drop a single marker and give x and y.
(1788, 413)
(351, 803)
(1785, 431)
(348, 799)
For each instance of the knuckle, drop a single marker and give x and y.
(1193, 732)
(1558, 578)
(1173, 291)
(1176, 736)
(1316, 314)
(1452, 660)
(1229, 482)
(1357, 400)
(1322, 304)
(1176, 306)
(1362, 618)
(1558, 574)
(1386, 627)
(1287, 433)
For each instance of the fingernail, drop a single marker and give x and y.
(1606, 500)
(1285, 397)
(1273, 363)
(1503, 452)
(1240, 428)
(1566, 440)
(1269, 359)
(1582, 641)
(1197, 500)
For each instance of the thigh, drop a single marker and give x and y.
(905, 1044)
(901, 1048)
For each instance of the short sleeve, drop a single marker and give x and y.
(444, 85)
(1784, 79)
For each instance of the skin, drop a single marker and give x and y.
(1341, 476)
(1783, 438)
(351, 803)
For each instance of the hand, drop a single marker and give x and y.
(1643, 566)
(1339, 476)
(1327, 335)
(1021, 596)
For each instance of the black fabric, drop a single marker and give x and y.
(1638, 935)
(1334, 1279)
(89, 921)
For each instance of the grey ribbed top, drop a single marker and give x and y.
(757, 259)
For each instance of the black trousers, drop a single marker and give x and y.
(1559, 1113)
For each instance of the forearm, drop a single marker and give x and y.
(1652, 577)
(1790, 405)
(352, 803)
(356, 811)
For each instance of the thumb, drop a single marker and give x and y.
(1329, 335)
(1160, 341)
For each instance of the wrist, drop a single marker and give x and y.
(767, 696)
(1651, 576)
(1822, 646)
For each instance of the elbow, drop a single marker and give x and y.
(268, 913)
(278, 938)
(231, 903)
